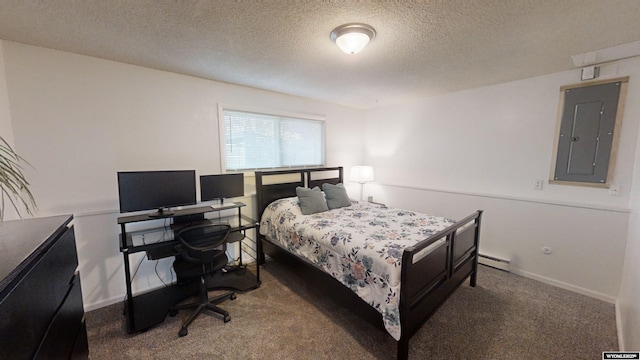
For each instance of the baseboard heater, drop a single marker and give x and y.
(494, 262)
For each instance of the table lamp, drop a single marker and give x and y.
(362, 174)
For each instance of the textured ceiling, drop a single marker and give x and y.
(421, 48)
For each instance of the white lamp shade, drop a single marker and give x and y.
(362, 174)
(353, 42)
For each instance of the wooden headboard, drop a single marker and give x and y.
(317, 177)
(274, 185)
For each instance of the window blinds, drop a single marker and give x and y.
(258, 141)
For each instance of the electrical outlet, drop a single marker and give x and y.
(537, 184)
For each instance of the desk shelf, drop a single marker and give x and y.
(240, 279)
(146, 310)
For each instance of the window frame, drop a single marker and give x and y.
(267, 112)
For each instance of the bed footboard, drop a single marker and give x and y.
(432, 270)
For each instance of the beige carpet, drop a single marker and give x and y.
(504, 317)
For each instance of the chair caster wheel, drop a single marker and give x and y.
(226, 319)
(232, 297)
(173, 313)
(183, 332)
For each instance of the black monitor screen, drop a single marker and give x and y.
(147, 190)
(223, 186)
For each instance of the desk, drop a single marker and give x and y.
(145, 310)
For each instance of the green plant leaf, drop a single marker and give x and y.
(13, 185)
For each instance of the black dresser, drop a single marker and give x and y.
(41, 310)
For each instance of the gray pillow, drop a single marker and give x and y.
(311, 200)
(336, 195)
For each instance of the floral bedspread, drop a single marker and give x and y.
(360, 245)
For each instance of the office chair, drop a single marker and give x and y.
(202, 252)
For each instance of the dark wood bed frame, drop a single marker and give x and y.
(432, 270)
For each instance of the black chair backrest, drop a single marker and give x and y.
(202, 243)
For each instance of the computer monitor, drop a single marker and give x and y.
(220, 187)
(161, 190)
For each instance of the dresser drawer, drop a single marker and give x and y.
(28, 309)
(65, 326)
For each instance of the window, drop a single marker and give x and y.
(587, 133)
(253, 140)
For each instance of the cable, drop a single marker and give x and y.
(155, 267)
(137, 268)
(134, 274)
(226, 252)
(158, 275)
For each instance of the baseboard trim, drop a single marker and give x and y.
(619, 327)
(563, 285)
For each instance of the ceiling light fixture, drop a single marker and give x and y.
(352, 38)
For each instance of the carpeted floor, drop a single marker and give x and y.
(504, 317)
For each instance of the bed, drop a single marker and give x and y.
(402, 264)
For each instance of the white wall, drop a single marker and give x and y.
(78, 120)
(483, 148)
(628, 306)
(6, 130)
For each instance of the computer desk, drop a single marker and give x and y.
(145, 310)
